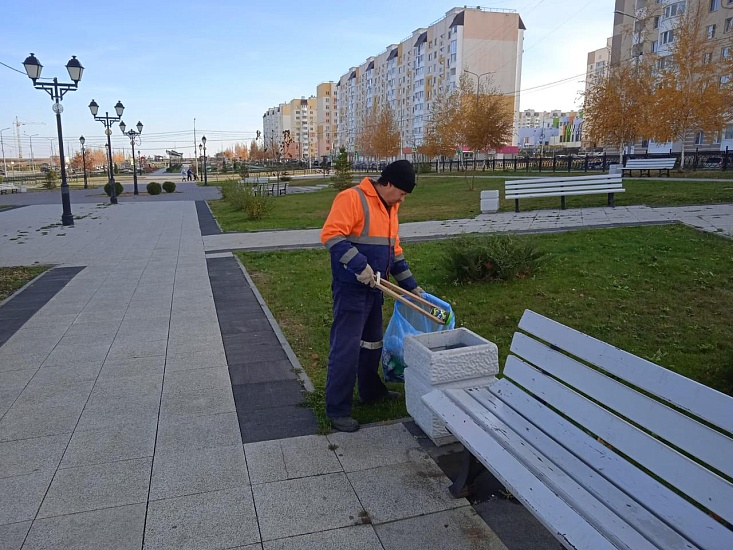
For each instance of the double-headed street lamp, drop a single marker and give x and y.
(84, 161)
(202, 150)
(107, 121)
(134, 137)
(57, 90)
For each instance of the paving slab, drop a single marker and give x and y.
(128, 441)
(117, 528)
(305, 505)
(290, 458)
(459, 529)
(378, 446)
(87, 488)
(360, 537)
(192, 471)
(404, 490)
(218, 519)
(20, 496)
(27, 456)
(13, 535)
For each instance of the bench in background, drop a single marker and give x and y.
(606, 449)
(647, 165)
(563, 186)
(7, 188)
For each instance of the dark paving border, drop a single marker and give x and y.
(267, 393)
(17, 310)
(207, 222)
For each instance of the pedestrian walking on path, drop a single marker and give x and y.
(361, 234)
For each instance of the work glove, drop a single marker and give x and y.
(367, 276)
(418, 291)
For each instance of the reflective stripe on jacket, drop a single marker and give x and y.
(360, 230)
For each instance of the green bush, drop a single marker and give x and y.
(169, 187)
(285, 178)
(153, 188)
(50, 179)
(243, 197)
(491, 258)
(118, 189)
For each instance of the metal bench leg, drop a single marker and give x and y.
(470, 470)
(610, 200)
(516, 205)
(562, 202)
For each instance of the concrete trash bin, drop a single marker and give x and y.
(455, 358)
(489, 201)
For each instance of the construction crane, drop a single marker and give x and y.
(18, 124)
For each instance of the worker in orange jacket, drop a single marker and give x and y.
(361, 234)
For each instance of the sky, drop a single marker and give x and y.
(219, 65)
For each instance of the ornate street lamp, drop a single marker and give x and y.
(107, 121)
(134, 138)
(203, 140)
(84, 161)
(57, 90)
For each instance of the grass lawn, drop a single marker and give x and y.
(664, 293)
(13, 278)
(446, 197)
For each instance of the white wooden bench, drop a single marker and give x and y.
(563, 186)
(7, 188)
(647, 165)
(584, 447)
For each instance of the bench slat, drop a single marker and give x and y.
(594, 177)
(669, 507)
(700, 484)
(559, 518)
(636, 164)
(704, 402)
(695, 438)
(610, 510)
(527, 193)
(559, 185)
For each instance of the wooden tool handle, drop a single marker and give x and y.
(380, 285)
(395, 288)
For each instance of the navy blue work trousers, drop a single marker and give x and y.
(356, 347)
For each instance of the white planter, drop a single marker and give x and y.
(22, 189)
(451, 355)
(489, 201)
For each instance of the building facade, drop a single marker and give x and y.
(647, 27)
(406, 76)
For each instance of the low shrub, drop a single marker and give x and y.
(169, 186)
(243, 197)
(153, 188)
(285, 178)
(118, 189)
(491, 258)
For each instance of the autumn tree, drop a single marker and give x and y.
(440, 137)
(380, 135)
(94, 158)
(693, 82)
(618, 106)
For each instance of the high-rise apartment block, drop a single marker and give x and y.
(406, 77)
(644, 27)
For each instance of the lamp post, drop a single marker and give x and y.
(203, 148)
(134, 137)
(107, 121)
(2, 146)
(84, 161)
(57, 90)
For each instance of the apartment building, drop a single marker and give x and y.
(326, 112)
(536, 129)
(406, 76)
(644, 27)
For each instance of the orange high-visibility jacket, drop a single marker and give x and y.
(360, 230)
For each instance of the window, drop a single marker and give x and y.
(699, 137)
(667, 37)
(673, 10)
(728, 132)
(714, 5)
(728, 25)
(725, 53)
(655, 46)
(707, 58)
(656, 22)
(710, 31)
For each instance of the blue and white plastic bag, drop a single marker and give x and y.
(405, 322)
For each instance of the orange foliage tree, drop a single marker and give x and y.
(693, 83)
(380, 135)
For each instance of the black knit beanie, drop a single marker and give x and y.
(400, 174)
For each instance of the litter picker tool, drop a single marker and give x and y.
(433, 313)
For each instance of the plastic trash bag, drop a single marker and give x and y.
(405, 322)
